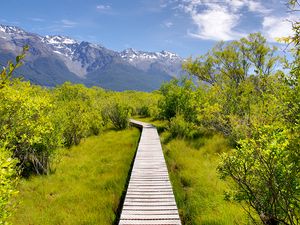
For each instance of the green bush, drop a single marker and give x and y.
(266, 172)
(179, 97)
(8, 182)
(26, 126)
(78, 112)
(144, 111)
(118, 114)
(178, 127)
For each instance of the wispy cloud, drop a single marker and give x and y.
(68, 23)
(276, 27)
(58, 26)
(103, 7)
(256, 6)
(36, 19)
(15, 23)
(220, 20)
(167, 24)
(156, 6)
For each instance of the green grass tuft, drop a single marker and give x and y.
(86, 187)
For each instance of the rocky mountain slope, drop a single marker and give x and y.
(53, 60)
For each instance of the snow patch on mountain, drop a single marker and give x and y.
(82, 57)
(165, 61)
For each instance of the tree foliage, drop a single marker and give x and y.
(178, 98)
(266, 170)
(244, 95)
(8, 183)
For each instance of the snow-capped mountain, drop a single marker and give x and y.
(166, 61)
(55, 59)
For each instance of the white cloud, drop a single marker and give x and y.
(103, 7)
(250, 5)
(274, 27)
(236, 4)
(215, 24)
(168, 24)
(221, 20)
(256, 6)
(213, 21)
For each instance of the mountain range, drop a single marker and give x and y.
(53, 60)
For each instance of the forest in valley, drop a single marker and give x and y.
(236, 130)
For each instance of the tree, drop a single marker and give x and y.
(231, 63)
(178, 97)
(27, 126)
(240, 76)
(7, 72)
(8, 170)
(77, 111)
(265, 166)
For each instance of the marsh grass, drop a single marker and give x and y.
(198, 191)
(86, 187)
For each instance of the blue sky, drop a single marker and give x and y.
(186, 27)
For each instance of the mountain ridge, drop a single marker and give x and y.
(54, 59)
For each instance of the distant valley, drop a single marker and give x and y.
(53, 60)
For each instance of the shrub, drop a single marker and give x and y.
(26, 126)
(8, 182)
(179, 97)
(78, 112)
(118, 114)
(178, 127)
(144, 111)
(266, 172)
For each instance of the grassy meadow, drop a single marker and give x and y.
(86, 187)
(198, 190)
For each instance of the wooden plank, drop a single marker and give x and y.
(151, 217)
(150, 222)
(147, 212)
(149, 199)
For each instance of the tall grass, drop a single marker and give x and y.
(86, 187)
(198, 191)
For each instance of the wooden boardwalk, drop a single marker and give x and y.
(149, 199)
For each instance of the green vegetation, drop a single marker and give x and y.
(244, 108)
(265, 168)
(254, 105)
(36, 122)
(118, 115)
(87, 184)
(8, 182)
(198, 190)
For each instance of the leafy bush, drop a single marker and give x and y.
(144, 111)
(118, 114)
(78, 112)
(178, 98)
(266, 172)
(27, 127)
(178, 127)
(8, 182)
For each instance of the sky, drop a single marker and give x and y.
(186, 27)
